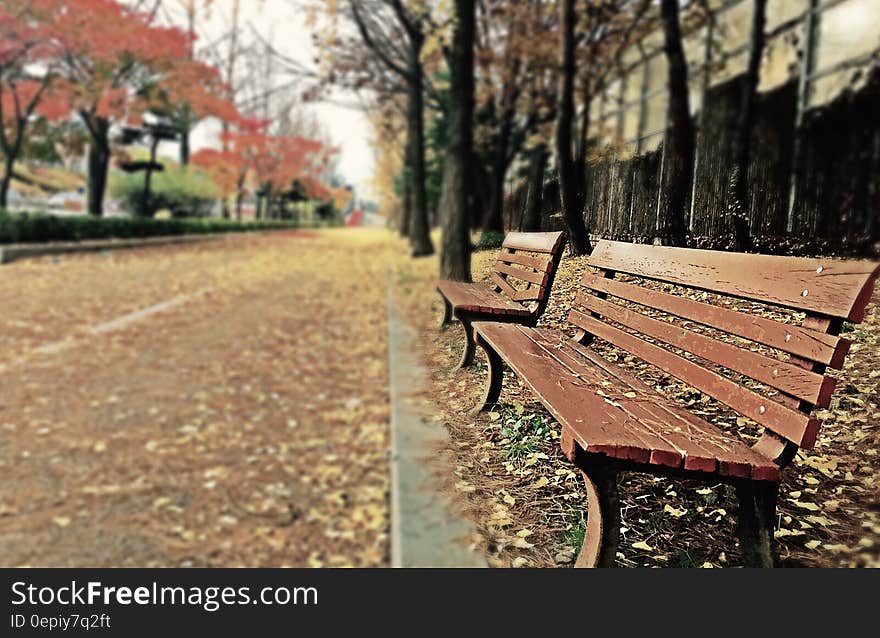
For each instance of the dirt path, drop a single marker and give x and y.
(243, 421)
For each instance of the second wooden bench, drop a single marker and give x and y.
(517, 291)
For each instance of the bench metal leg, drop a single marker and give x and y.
(470, 345)
(757, 514)
(493, 382)
(447, 314)
(603, 518)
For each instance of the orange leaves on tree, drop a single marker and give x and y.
(223, 167)
(110, 54)
(198, 87)
(255, 158)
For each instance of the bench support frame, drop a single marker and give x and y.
(603, 516)
(757, 514)
(446, 319)
(470, 345)
(470, 341)
(494, 381)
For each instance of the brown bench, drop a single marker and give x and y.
(670, 310)
(517, 291)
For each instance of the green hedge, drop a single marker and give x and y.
(185, 191)
(39, 227)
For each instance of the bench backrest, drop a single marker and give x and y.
(526, 267)
(769, 365)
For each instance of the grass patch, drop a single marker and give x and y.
(574, 537)
(523, 433)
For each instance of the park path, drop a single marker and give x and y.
(224, 404)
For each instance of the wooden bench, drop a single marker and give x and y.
(684, 311)
(517, 291)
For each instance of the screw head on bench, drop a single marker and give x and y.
(805, 293)
(820, 270)
(762, 409)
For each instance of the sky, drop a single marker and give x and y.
(347, 127)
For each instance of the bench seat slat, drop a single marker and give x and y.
(505, 287)
(791, 379)
(813, 345)
(539, 279)
(540, 264)
(794, 425)
(592, 404)
(840, 289)
(666, 409)
(693, 452)
(479, 298)
(533, 293)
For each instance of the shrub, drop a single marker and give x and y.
(490, 239)
(185, 191)
(37, 227)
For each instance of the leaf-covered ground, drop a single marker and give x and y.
(244, 424)
(528, 504)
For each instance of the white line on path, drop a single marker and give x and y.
(138, 315)
(114, 324)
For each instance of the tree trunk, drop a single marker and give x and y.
(569, 184)
(406, 211)
(6, 180)
(494, 222)
(419, 231)
(535, 196)
(239, 200)
(456, 195)
(146, 208)
(739, 206)
(184, 146)
(11, 153)
(680, 133)
(99, 164)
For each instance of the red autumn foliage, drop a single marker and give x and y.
(255, 158)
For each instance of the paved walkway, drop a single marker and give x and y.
(222, 404)
(425, 532)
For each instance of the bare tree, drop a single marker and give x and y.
(396, 36)
(680, 134)
(572, 200)
(739, 205)
(590, 49)
(457, 193)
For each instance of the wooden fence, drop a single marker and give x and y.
(814, 189)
